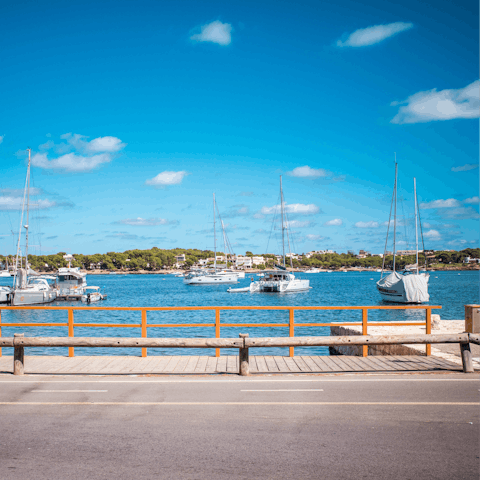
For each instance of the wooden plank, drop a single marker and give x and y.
(353, 365)
(312, 365)
(170, 367)
(182, 363)
(281, 363)
(221, 364)
(201, 364)
(261, 363)
(408, 363)
(335, 359)
(377, 365)
(323, 366)
(232, 366)
(192, 363)
(392, 364)
(211, 365)
(105, 367)
(271, 365)
(302, 365)
(328, 361)
(365, 366)
(71, 364)
(253, 364)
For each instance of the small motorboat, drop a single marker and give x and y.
(92, 294)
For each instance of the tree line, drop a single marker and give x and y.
(157, 259)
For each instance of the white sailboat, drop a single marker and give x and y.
(28, 289)
(203, 277)
(409, 285)
(279, 280)
(5, 273)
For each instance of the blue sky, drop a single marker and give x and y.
(136, 112)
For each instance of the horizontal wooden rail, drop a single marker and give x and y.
(243, 343)
(474, 338)
(144, 325)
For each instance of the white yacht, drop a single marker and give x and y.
(312, 270)
(279, 280)
(409, 285)
(5, 293)
(29, 288)
(70, 280)
(206, 277)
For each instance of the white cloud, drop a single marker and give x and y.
(371, 35)
(105, 144)
(461, 213)
(473, 200)
(97, 145)
(336, 222)
(465, 168)
(293, 208)
(215, 32)
(167, 178)
(370, 224)
(71, 162)
(448, 203)
(444, 105)
(432, 235)
(146, 222)
(299, 224)
(314, 237)
(13, 202)
(306, 171)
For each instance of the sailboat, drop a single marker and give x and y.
(278, 280)
(203, 277)
(5, 273)
(409, 285)
(28, 288)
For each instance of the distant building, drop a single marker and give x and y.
(471, 260)
(179, 260)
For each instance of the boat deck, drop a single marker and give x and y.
(130, 365)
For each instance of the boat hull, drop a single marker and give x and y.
(26, 297)
(211, 279)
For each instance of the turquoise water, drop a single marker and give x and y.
(451, 290)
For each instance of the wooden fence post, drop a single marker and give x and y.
(364, 330)
(428, 330)
(217, 329)
(18, 357)
(291, 331)
(71, 350)
(466, 358)
(144, 330)
(244, 366)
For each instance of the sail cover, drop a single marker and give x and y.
(411, 288)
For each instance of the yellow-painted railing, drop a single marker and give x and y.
(144, 325)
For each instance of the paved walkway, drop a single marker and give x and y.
(226, 364)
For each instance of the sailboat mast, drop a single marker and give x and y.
(214, 238)
(416, 221)
(282, 208)
(395, 214)
(28, 210)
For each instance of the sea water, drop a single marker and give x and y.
(450, 290)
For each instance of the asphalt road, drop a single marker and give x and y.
(269, 427)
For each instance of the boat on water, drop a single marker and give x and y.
(312, 270)
(409, 285)
(70, 280)
(92, 294)
(6, 272)
(5, 293)
(208, 277)
(29, 288)
(278, 280)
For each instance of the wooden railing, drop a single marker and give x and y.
(291, 325)
(243, 343)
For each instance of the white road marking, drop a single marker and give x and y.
(67, 391)
(288, 390)
(476, 404)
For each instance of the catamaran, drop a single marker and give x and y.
(409, 285)
(205, 277)
(29, 288)
(278, 280)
